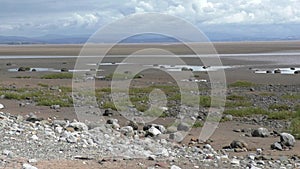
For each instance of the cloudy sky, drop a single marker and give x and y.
(41, 17)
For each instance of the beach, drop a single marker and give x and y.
(259, 75)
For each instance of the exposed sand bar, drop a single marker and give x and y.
(179, 49)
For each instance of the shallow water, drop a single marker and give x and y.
(287, 71)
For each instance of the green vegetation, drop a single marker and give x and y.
(242, 84)
(295, 125)
(197, 124)
(234, 104)
(205, 101)
(42, 97)
(58, 76)
(279, 107)
(63, 102)
(236, 97)
(43, 85)
(280, 115)
(119, 76)
(109, 105)
(246, 112)
(266, 94)
(291, 96)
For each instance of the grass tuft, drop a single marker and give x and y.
(242, 84)
(58, 76)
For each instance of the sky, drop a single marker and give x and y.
(42, 17)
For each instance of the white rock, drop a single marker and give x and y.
(59, 129)
(34, 137)
(127, 131)
(6, 152)
(154, 131)
(253, 167)
(1, 106)
(32, 160)
(28, 166)
(287, 139)
(235, 162)
(175, 167)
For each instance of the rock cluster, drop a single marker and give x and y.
(36, 139)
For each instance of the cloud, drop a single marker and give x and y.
(85, 20)
(38, 17)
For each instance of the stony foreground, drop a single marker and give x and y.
(35, 140)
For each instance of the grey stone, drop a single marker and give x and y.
(228, 117)
(78, 126)
(152, 158)
(7, 153)
(127, 131)
(235, 162)
(172, 129)
(260, 132)
(177, 136)
(183, 127)
(55, 107)
(276, 146)
(238, 144)
(287, 139)
(33, 118)
(71, 139)
(153, 131)
(59, 123)
(108, 112)
(134, 125)
(161, 128)
(112, 121)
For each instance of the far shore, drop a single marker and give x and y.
(125, 49)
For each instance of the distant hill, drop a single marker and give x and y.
(213, 32)
(47, 39)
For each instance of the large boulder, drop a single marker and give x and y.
(1, 106)
(260, 132)
(287, 139)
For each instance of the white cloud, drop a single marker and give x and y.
(226, 11)
(86, 20)
(89, 15)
